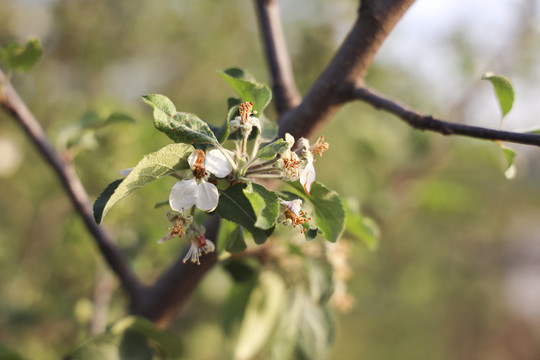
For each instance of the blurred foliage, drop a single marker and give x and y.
(454, 231)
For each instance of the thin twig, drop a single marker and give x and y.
(14, 105)
(426, 122)
(286, 95)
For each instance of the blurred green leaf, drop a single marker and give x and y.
(305, 330)
(21, 57)
(131, 338)
(261, 315)
(230, 237)
(330, 215)
(234, 206)
(82, 135)
(265, 204)
(247, 88)
(504, 90)
(8, 354)
(152, 167)
(179, 126)
(364, 229)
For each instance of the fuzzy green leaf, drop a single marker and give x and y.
(21, 57)
(329, 212)
(363, 228)
(234, 206)
(504, 90)
(247, 88)
(179, 126)
(152, 167)
(271, 150)
(265, 204)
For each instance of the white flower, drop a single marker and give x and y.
(291, 214)
(198, 244)
(245, 121)
(307, 174)
(195, 189)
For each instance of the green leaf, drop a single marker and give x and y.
(21, 57)
(262, 312)
(265, 204)
(245, 274)
(329, 212)
(504, 90)
(179, 126)
(234, 206)
(152, 167)
(510, 156)
(305, 330)
(247, 88)
(363, 228)
(117, 117)
(230, 238)
(130, 338)
(271, 150)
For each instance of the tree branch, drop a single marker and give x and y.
(424, 122)
(286, 95)
(348, 67)
(13, 104)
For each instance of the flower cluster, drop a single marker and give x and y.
(285, 159)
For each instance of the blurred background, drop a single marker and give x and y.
(456, 274)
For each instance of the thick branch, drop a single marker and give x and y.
(375, 21)
(424, 122)
(286, 96)
(13, 104)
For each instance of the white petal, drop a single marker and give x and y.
(255, 122)
(209, 247)
(217, 164)
(183, 194)
(192, 159)
(207, 196)
(307, 176)
(290, 140)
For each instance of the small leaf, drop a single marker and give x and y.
(117, 117)
(271, 150)
(329, 212)
(230, 238)
(234, 206)
(247, 88)
(265, 204)
(510, 156)
(21, 58)
(504, 90)
(103, 199)
(179, 126)
(152, 167)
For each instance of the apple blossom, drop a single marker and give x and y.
(195, 188)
